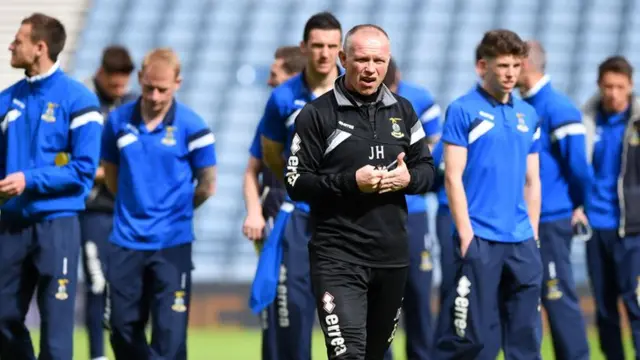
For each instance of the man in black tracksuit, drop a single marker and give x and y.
(356, 152)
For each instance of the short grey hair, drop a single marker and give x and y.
(347, 38)
(537, 55)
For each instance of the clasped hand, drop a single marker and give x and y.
(372, 180)
(13, 185)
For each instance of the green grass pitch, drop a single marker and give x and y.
(244, 344)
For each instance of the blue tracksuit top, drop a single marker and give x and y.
(604, 202)
(499, 138)
(429, 114)
(281, 111)
(564, 170)
(50, 130)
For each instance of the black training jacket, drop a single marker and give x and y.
(334, 136)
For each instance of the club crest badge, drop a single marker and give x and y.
(49, 114)
(62, 294)
(522, 125)
(169, 138)
(396, 129)
(178, 302)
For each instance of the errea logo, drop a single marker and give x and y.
(292, 164)
(329, 305)
(461, 306)
(295, 144)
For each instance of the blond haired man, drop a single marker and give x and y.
(152, 149)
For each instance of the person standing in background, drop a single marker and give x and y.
(566, 180)
(321, 42)
(264, 193)
(110, 83)
(417, 299)
(612, 120)
(159, 160)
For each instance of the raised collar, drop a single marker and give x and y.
(40, 77)
(384, 96)
(537, 87)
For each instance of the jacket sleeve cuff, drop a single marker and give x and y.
(28, 180)
(349, 183)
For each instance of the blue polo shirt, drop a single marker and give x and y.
(156, 171)
(498, 138)
(604, 204)
(429, 114)
(564, 171)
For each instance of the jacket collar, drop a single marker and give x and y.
(40, 77)
(537, 87)
(592, 106)
(342, 98)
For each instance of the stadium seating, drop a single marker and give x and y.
(227, 45)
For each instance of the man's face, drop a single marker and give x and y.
(114, 85)
(159, 83)
(502, 73)
(366, 61)
(278, 74)
(322, 49)
(615, 89)
(24, 52)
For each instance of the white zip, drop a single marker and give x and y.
(64, 266)
(623, 166)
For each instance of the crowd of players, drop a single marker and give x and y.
(522, 176)
(584, 156)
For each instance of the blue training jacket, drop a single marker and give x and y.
(565, 173)
(429, 114)
(51, 129)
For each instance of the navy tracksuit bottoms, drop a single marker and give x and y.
(95, 228)
(143, 283)
(559, 296)
(44, 255)
(490, 273)
(295, 303)
(614, 271)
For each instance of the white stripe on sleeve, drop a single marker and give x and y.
(417, 132)
(480, 130)
(84, 119)
(536, 134)
(431, 114)
(568, 130)
(202, 141)
(125, 140)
